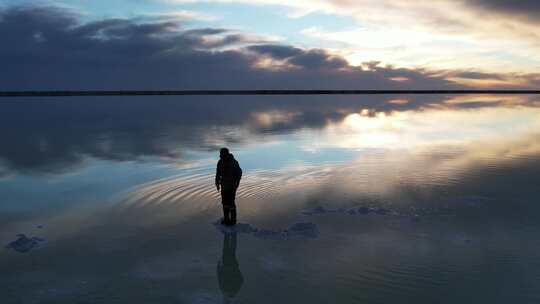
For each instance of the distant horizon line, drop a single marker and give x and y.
(68, 93)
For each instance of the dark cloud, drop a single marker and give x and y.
(478, 75)
(310, 59)
(318, 59)
(528, 9)
(500, 80)
(48, 48)
(276, 51)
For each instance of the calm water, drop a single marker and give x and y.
(422, 199)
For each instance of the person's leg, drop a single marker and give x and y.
(225, 214)
(228, 206)
(232, 215)
(233, 207)
(224, 200)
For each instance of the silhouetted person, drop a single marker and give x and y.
(228, 175)
(229, 276)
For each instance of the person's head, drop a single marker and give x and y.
(223, 152)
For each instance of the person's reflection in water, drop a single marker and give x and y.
(228, 271)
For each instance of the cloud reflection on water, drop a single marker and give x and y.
(59, 135)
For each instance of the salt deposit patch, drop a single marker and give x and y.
(24, 244)
(295, 231)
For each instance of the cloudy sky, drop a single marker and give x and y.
(269, 44)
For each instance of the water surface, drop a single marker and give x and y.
(429, 198)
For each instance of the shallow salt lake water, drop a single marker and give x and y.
(420, 199)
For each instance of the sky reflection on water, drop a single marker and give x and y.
(128, 178)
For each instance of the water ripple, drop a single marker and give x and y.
(256, 185)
